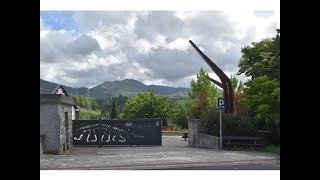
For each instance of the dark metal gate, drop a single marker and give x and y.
(117, 132)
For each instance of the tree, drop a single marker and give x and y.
(148, 105)
(236, 84)
(113, 114)
(93, 103)
(240, 108)
(202, 95)
(181, 119)
(120, 101)
(261, 59)
(263, 98)
(82, 101)
(261, 62)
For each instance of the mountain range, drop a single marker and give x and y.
(127, 87)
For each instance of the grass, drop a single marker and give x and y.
(270, 149)
(240, 148)
(267, 149)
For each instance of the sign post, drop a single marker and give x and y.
(221, 106)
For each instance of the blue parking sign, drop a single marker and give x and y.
(221, 103)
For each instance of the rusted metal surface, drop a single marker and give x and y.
(216, 82)
(225, 81)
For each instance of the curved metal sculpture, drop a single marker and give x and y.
(225, 81)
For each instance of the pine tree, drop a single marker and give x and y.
(113, 114)
(202, 95)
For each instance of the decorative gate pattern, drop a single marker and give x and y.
(117, 132)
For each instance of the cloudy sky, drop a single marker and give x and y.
(87, 48)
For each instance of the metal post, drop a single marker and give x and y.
(100, 128)
(220, 130)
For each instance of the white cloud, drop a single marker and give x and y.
(149, 46)
(179, 44)
(160, 40)
(51, 72)
(186, 14)
(144, 46)
(247, 22)
(223, 46)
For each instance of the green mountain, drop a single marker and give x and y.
(127, 87)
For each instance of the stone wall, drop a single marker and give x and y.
(49, 128)
(198, 139)
(65, 126)
(55, 133)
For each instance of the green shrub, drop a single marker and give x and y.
(231, 125)
(181, 119)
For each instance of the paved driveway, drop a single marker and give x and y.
(173, 154)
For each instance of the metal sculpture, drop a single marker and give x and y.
(225, 81)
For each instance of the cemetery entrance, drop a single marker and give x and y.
(117, 132)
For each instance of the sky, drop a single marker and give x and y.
(87, 48)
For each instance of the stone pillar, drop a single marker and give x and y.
(193, 130)
(56, 123)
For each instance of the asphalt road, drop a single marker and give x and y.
(174, 154)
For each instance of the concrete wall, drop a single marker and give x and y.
(193, 130)
(197, 139)
(55, 133)
(208, 141)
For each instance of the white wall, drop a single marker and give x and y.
(73, 113)
(60, 91)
